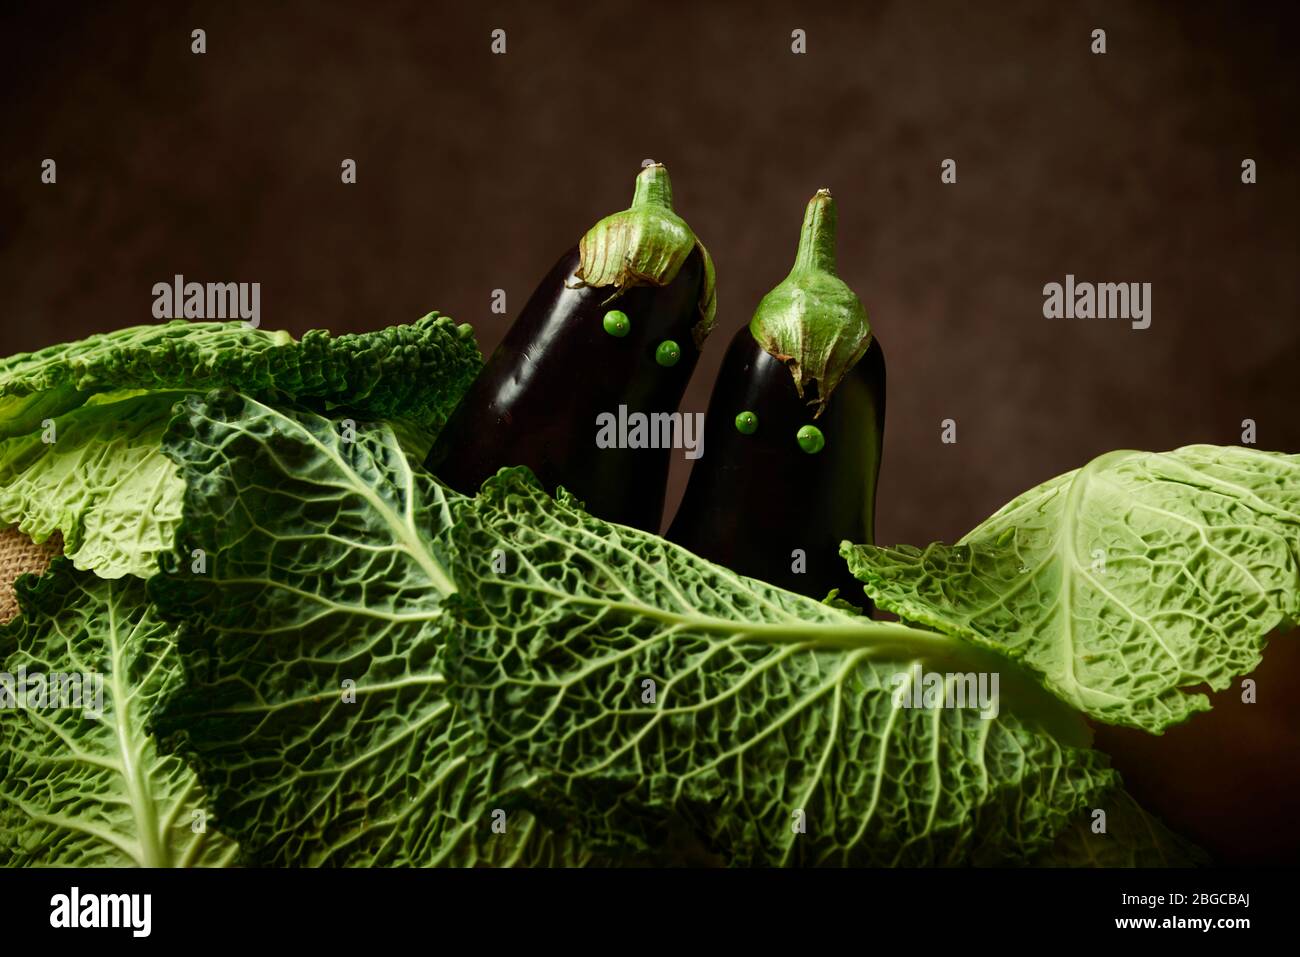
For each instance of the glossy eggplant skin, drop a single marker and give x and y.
(537, 399)
(751, 500)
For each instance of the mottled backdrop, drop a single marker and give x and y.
(476, 171)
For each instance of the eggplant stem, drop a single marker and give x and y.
(817, 237)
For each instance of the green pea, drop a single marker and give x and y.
(617, 323)
(668, 353)
(811, 439)
(747, 423)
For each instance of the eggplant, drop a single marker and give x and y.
(794, 431)
(614, 329)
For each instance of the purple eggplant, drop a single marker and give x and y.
(615, 329)
(794, 432)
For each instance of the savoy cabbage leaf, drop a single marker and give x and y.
(96, 472)
(1124, 834)
(417, 370)
(1124, 583)
(315, 706)
(104, 483)
(84, 784)
(647, 687)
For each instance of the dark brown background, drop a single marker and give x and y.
(476, 171)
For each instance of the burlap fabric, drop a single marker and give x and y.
(19, 555)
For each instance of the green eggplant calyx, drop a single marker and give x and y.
(812, 321)
(646, 245)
